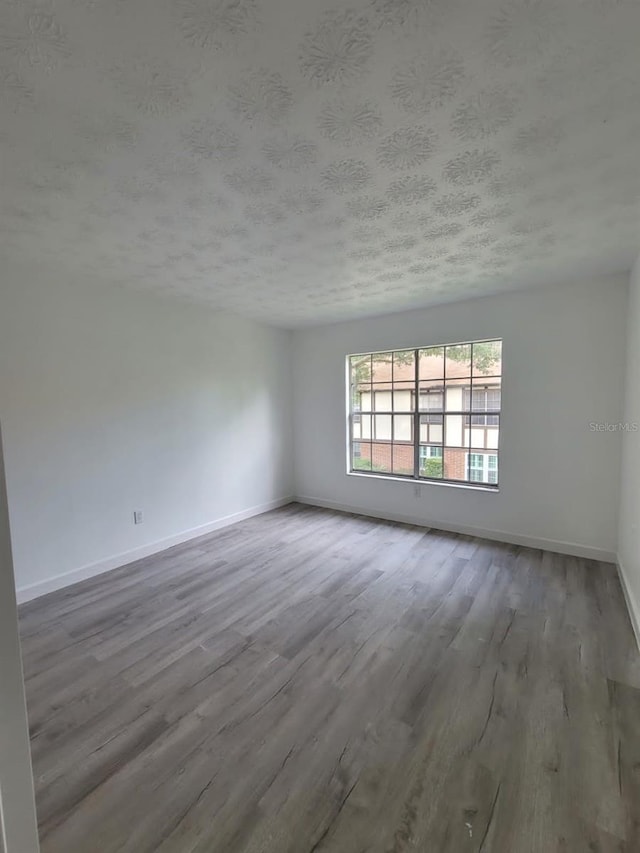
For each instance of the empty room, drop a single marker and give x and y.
(320, 426)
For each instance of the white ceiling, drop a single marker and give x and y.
(299, 161)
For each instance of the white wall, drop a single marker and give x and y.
(18, 828)
(563, 365)
(629, 532)
(113, 401)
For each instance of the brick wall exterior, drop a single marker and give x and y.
(398, 459)
(455, 463)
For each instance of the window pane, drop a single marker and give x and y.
(455, 398)
(454, 431)
(455, 463)
(403, 396)
(404, 365)
(487, 358)
(431, 461)
(356, 426)
(361, 456)
(482, 420)
(493, 398)
(483, 468)
(431, 429)
(431, 396)
(429, 451)
(360, 368)
(381, 365)
(493, 435)
(485, 397)
(403, 428)
(487, 393)
(458, 361)
(484, 436)
(364, 427)
(361, 398)
(382, 427)
(403, 462)
(382, 399)
(431, 363)
(476, 467)
(381, 458)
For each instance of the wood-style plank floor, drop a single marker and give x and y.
(308, 681)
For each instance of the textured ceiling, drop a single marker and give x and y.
(300, 161)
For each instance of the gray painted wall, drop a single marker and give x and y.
(563, 364)
(629, 532)
(114, 401)
(17, 806)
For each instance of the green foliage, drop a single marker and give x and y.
(485, 356)
(431, 467)
(361, 464)
(361, 364)
(366, 465)
(360, 369)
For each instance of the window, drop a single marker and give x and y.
(483, 467)
(485, 399)
(431, 413)
(430, 452)
(431, 399)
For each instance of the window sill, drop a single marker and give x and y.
(424, 482)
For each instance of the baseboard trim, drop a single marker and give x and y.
(32, 591)
(632, 605)
(570, 548)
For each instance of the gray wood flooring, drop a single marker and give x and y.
(308, 681)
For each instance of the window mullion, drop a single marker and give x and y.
(416, 416)
(470, 444)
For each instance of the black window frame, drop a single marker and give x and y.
(482, 418)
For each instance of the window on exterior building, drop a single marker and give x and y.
(481, 399)
(429, 413)
(430, 452)
(483, 467)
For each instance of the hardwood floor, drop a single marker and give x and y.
(308, 681)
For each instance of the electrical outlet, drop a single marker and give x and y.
(137, 516)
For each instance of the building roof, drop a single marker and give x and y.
(385, 370)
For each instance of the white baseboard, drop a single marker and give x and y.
(28, 593)
(632, 604)
(571, 548)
